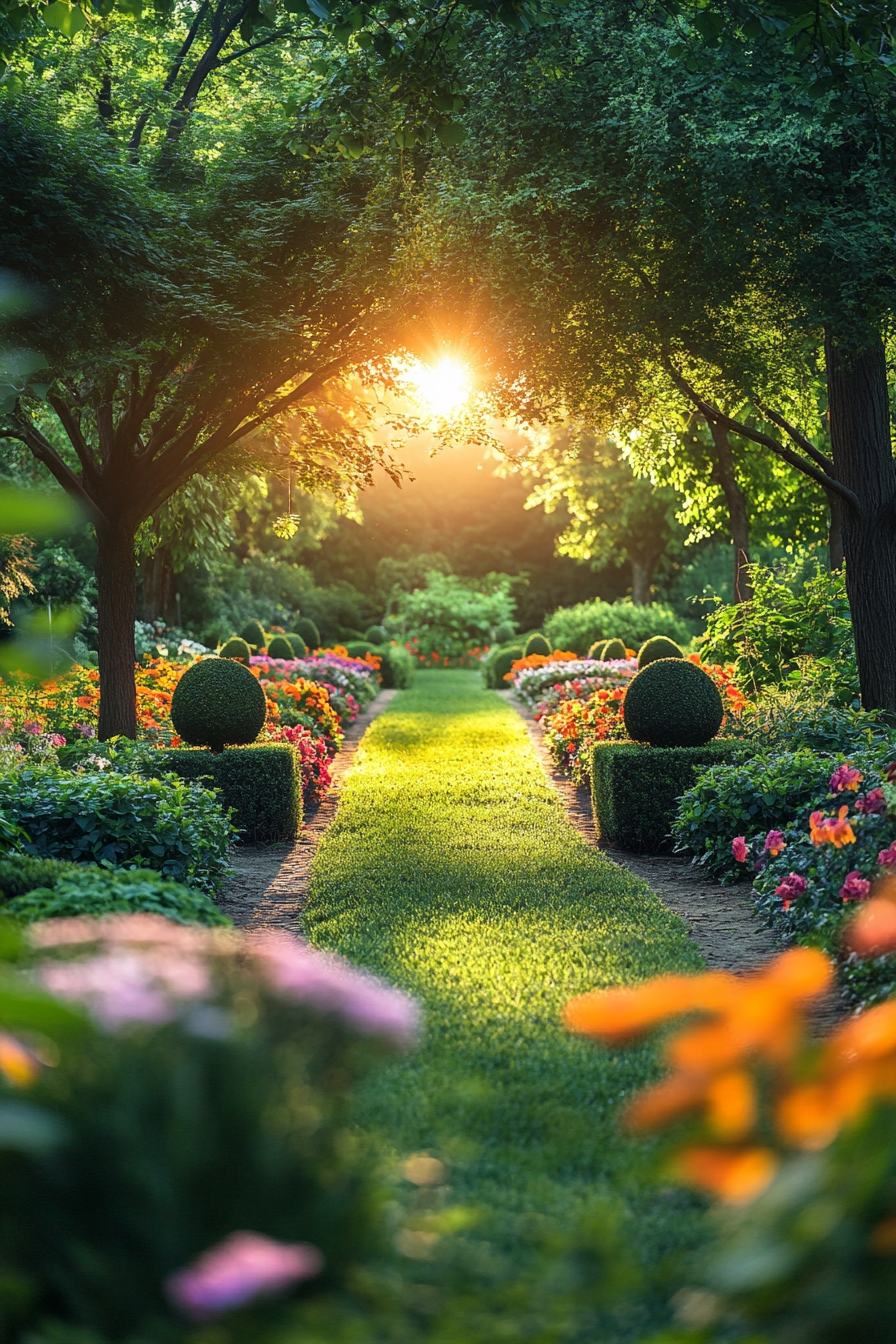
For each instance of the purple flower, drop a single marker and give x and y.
(872, 802)
(330, 984)
(57, 740)
(85, 729)
(774, 843)
(739, 848)
(791, 887)
(887, 857)
(238, 1269)
(856, 887)
(845, 777)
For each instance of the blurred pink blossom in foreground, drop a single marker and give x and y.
(242, 1267)
(330, 984)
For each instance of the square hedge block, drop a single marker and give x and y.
(635, 789)
(262, 784)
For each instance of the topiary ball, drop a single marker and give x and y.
(218, 703)
(236, 648)
(597, 649)
(672, 703)
(614, 648)
(254, 635)
(504, 633)
(309, 632)
(356, 648)
(537, 644)
(377, 634)
(503, 664)
(281, 647)
(658, 647)
(299, 648)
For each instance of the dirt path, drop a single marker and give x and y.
(269, 887)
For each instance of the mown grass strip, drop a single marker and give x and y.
(452, 871)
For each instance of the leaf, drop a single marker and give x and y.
(451, 133)
(66, 19)
(318, 9)
(28, 511)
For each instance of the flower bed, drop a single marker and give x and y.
(536, 682)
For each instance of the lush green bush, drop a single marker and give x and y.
(377, 634)
(122, 820)
(788, 633)
(22, 872)
(260, 785)
(281, 647)
(237, 649)
(206, 1092)
(673, 703)
(357, 648)
(498, 665)
(748, 798)
(658, 647)
(537, 644)
(218, 703)
(505, 632)
(793, 715)
(452, 615)
(397, 667)
(577, 628)
(308, 631)
(613, 650)
(254, 635)
(635, 790)
(85, 889)
(297, 644)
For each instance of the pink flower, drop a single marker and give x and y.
(33, 729)
(238, 1269)
(845, 777)
(85, 729)
(887, 857)
(790, 889)
(739, 848)
(856, 887)
(57, 740)
(774, 843)
(5, 727)
(872, 802)
(330, 984)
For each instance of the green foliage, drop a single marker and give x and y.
(121, 820)
(308, 631)
(577, 628)
(794, 715)
(451, 615)
(658, 647)
(613, 649)
(499, 664)
(260, 786)
(672, 703)
(16, 573)
(505, 632)
(238, 649)
(281, 647)
(218, 703)
(356, 648)
(20, 873)
(597, 649)
(254, 635)
(397, 669)
(788, 633)
(459, 878)
(536, 644)
(376, 634)
(748, 798)
(86, 889)
(635, 790)
(297, 643)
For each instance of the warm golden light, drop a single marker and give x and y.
(440, 388)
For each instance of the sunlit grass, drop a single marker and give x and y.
(452, 871)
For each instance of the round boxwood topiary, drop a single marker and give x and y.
(281, 647)
(537, 644)
(254, 635)
(377, 634)
(504, 633)
(658, 647)
(502, 665)
(236, 648)
(597, 649)
(309, 632)
(614, 648)
(356, 648)
(218, 703)
(299, 647)
(672, 703)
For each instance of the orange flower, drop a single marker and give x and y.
(873, 931)
(736, 1175)
(834, 831)
(17, 1064)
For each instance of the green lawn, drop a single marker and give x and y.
(452, 871)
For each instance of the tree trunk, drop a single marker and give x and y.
(737, 512)
(116, 603)
(158, 587)
(835, 531)
(642, 573)
(863, 460)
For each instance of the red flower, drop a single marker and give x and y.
(855, 888)
(739, 848)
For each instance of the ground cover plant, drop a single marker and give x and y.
(452, 871)
(64, 890)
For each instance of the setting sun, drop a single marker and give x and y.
(440, 388)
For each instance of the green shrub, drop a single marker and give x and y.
(597, 649)
(577, 628)
(748, 798)
(536, 644)
(121, 820)
(218, 703)
(297, 644)
(20, 873)
(237, 649)
(672, 703)
(85, 889)
(377, 634)
(502, 664)
(504, 633)
(397, 667)
(452, 615)
(254, 635)
(635, 790)
(357, 648)
(281, 647)
(658, 647)
(308, 631)
(262, 784)
(614, 649)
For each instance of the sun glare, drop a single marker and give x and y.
(441, 388)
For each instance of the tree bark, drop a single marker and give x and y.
(642, 573)
(737, 511)
(835, 531)
(116, 603)
(863, 459)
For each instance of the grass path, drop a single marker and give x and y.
(452, 871)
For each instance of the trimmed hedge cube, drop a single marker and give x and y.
(635, 790)
(261, 783)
